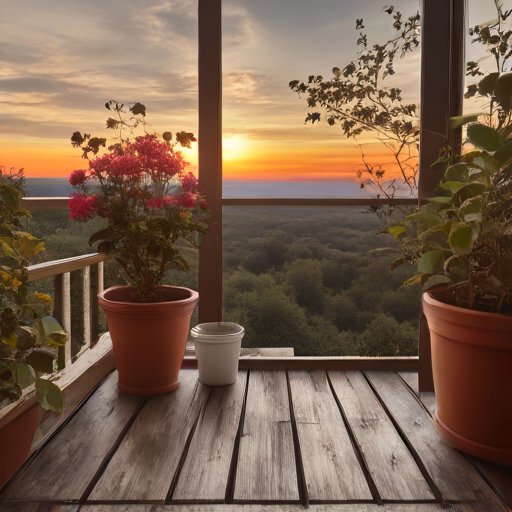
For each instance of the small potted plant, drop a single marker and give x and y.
(461, 242)
(140, 187)
(25, 328)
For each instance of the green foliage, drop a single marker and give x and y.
(461, 241)
(25, 325)
(495, 86)
(325, 294)
(356, 99)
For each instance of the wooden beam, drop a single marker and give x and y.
(442, 89)
(316, 201)
(38, 204)
(56, 267)
(210, 157)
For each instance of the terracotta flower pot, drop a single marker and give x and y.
(472, 365)
(149, 340)
(15, 442)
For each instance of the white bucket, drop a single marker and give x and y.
(217, 352)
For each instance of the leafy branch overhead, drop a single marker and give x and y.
(125, 130)
(356, 99)
(496, 37)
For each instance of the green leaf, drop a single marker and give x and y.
(461, 239)
(484, 137)
(441, 199)
(473, 217)
(487, 84)
(50, 325)
(41, 360)
(414, 280)
(457, 121)
(29, 245)
(436, 281)
(49, 395)
(11, 196)
(27, 337)
(431, 261)
(103, 234)
(25, 375)
(396, 231)
(397, 263)
(452, 185)
(457, 172)
(503, 85)
(504, 154)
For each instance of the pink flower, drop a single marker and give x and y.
(155, 203)
(190, 184)
(81, 206)
(77, 178)
(186, 200)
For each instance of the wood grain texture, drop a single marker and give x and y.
(389, 462)
(267, 352)
(266, 460)
(328, 363)
(64, 468)
(16, 506)
(427, 398)
(331, 468)
(204, 475)
(144, 465)
(451, 472)
(56, 267)
(366, 507)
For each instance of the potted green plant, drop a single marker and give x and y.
(461, 242)
(25, 326)
(149, 202)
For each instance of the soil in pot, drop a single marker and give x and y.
(472, 366)
(15, 442)
(149, 340)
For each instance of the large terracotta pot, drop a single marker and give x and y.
(472, 365)
(149, 340)
(15, 442)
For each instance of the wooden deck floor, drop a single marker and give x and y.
(274, 441)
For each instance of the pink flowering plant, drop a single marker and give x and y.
(141, 187)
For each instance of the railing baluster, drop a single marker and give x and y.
(62, 312)
(86, 290)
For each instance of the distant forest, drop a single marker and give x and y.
(305, 278)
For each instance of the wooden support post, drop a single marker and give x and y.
(62, 312)
(210, 157)
(442, 90)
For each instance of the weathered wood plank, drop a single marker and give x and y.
(62, 313)
(451, 472)
(331, 468)
(328, 363)
(267, 352)
(266, 460)
(389, 462)
(204, 475)
(16, 506)
(366, 507)
(64, 468)
(427, 398)
(144, 465)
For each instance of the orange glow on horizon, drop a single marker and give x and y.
(244, 159)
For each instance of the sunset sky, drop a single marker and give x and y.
(62, 60)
